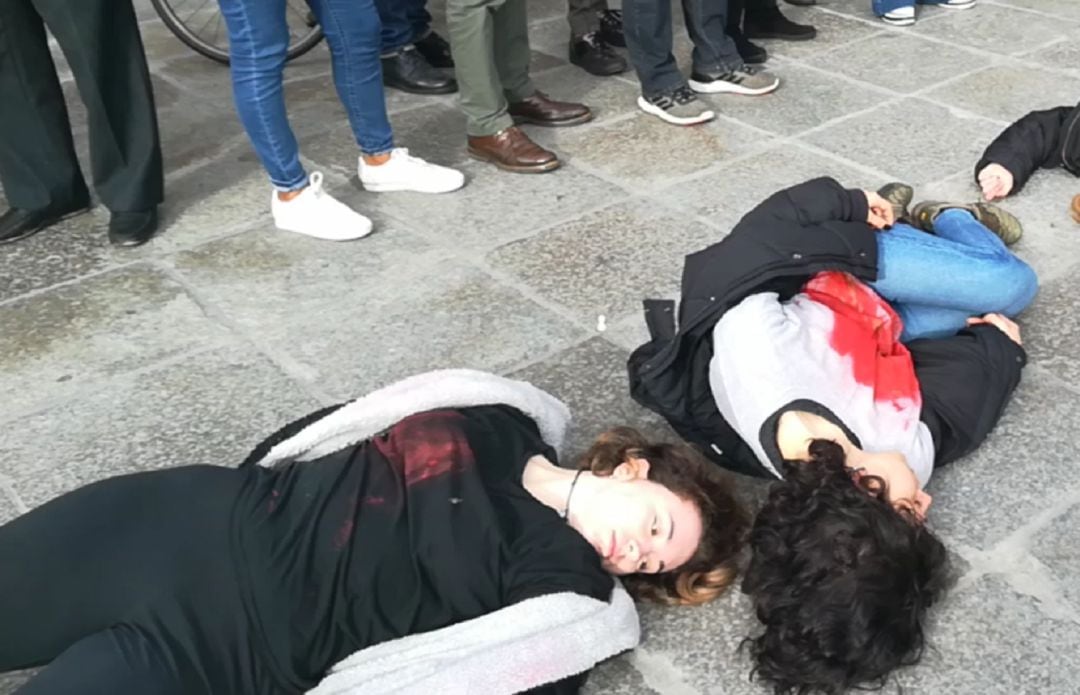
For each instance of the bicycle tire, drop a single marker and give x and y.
(216, 53)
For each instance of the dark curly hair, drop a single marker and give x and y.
(840, 579)
(724, 520)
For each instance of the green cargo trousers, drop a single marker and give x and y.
(490, 43)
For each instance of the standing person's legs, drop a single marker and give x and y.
(764, 20)
(647, 26)
(353, 31)
(706, 22)
(471, 25)
(589, 49)
(419, 18)
(749, 52)
(490, 43)
(512, 54)
(38, 166)
(936, 281)
(584, 16)
(258, 45)
(895, 12)
(718, 68)
(511, 49)
(434, 48)
(397, 30)
(404, 65)
(114, 83)
(664, 91)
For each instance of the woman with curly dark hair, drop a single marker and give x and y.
(845, 356)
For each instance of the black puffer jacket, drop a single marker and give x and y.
(1042, 139)
(966, 380)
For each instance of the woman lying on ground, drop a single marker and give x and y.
(203, 579)
(1047, 139)
(848, 363)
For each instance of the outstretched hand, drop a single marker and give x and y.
(1006, 326)
(996, 181)
(879, 213)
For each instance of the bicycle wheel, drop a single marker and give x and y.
(199, 24)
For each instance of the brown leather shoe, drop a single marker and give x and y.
(539, 110)
(512, 150)
(1076, 208)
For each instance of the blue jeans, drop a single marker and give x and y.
(936, 281)
(880, 7)
(258, 42)
(647, 27)
(403, 21)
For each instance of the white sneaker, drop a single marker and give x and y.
(958, 4)
(318, 214)
(403, 172)
(900, 17)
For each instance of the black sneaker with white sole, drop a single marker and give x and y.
(746, 80)
(678, 107)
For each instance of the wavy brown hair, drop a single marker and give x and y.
(724, 521)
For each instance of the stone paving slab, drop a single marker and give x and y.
(168, 416)
(124, 360)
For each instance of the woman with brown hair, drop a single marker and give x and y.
(357, 525)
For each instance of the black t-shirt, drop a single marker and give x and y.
(425, 525)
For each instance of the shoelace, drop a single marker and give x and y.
(683, 95)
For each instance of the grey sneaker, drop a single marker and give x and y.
(679, 107)
(747, 80)
(996, 219)
(898, 195)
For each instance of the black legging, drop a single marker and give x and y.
(128, 586)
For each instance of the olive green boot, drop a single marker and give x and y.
(999, 221)
(899, 196)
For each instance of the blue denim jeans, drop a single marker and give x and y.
(403, 21)
(936, 281)
(258, 42)
(880, 7)
(648, 31)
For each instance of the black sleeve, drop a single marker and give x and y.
(966, 381)
(809, 203)
(1030, 143)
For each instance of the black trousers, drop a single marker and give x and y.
(101, 41)
(647, 25)
(584, 16)
(128, 585)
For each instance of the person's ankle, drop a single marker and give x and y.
(286, 196)
(374, 160)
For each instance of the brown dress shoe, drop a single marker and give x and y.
(512, 150)
(539, 110)
(1076, 208)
